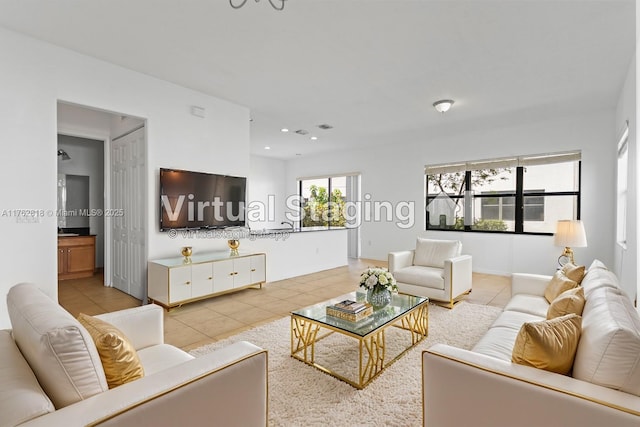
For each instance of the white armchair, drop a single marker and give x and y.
(435, 269)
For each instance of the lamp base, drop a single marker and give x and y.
(566, 257)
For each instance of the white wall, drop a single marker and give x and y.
(395, 173)
(33, 78)
(87, 158)
(267, 188)
(295, 254)
(625, 265)
(635, 161)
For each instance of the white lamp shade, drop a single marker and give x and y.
(570, 233)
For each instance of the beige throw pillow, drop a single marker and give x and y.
(574, 272)
(570, 301)
(557, 285)
(119, 358)
(549, 344)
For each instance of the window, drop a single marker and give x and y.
(323, 201)
(621, 208)
(526, 194)
(503, 208)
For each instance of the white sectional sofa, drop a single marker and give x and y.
(51, 373)
(482, 387)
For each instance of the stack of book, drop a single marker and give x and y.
(352, 311)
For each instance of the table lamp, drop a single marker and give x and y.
(569, 233)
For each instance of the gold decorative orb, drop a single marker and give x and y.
(233, 245)
(186, 252)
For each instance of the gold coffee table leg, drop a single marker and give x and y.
(303, 338)
(375, 353)
(417, 323)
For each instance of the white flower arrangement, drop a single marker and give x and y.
(378, 276)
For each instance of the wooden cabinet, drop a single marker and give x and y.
(173, 282)
(76, 257)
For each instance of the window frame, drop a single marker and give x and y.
(622, 194)
(519, 194)
(330, 221)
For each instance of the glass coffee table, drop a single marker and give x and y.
(309, 325)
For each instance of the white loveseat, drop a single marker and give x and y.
(604, 389)
(51, 373)
(435, 269)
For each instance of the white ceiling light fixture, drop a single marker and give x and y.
(443, 105)
(314, 138)
(267, 148)
(284, 130)
(276, 4)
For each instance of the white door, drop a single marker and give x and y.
(223, 275)
(258, 267)
(128, 213)
(241, 272)
(201, 279)
(180, 284)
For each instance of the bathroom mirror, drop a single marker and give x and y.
(73, 201)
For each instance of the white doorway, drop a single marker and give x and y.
(125, 206)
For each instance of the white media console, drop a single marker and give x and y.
(176, 281)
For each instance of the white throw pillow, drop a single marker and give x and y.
(433, 253)
(59, 350)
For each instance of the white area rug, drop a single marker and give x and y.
(301, 395)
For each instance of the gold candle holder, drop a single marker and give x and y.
(233, 245)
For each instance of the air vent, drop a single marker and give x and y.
(302, 132)
(325, 126)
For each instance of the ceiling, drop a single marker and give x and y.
(370, 68)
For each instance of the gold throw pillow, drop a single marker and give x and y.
(571, 301)
(557, 285)
(119, 359)
(574, 272)
(549, 344)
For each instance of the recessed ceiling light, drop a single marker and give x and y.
(267, 148)
(284, 130)
(313, 138)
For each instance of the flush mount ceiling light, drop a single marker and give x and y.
(443, 105)
(284, 130)
(314, 138)
(276, 4)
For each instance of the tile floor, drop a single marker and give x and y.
(207, 321)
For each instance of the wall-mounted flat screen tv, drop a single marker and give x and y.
(196, 200)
